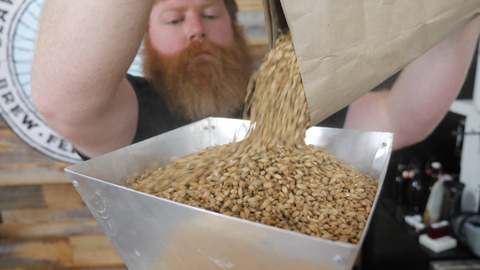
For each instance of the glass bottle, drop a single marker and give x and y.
(433, 171)
(398, 187)
(437, 173)
(416, 188)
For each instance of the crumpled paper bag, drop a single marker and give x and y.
(345, 48)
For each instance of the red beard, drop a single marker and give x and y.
(197, 87)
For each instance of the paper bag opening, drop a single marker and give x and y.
(274, 19)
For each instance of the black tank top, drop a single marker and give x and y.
(154, 117)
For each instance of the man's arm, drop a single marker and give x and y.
(83, 52)
(422, 94)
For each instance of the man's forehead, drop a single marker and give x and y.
(184, 2)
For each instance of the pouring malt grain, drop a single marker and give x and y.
(272, 176)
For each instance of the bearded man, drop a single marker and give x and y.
(208, 77)
(196, 65)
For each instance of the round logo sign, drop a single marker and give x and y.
(18, 29)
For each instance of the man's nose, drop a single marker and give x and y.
(196, 32)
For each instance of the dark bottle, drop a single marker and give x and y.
(416, 197)
(398, 187)
(452, 199)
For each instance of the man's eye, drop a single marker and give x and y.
(210, 17)
(174, 22)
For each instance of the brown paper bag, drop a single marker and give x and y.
(345, 48)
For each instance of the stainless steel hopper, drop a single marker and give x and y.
(154, 233)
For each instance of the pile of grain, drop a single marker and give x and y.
(272, 176)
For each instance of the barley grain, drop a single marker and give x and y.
(272, 176)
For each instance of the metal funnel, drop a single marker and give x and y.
(154, 233)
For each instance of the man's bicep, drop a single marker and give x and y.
(111, 129)
(78, 73)
(378, 111)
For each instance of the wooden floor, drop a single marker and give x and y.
(44, 224)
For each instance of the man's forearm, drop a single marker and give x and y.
(427, 87)
(422, 93)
